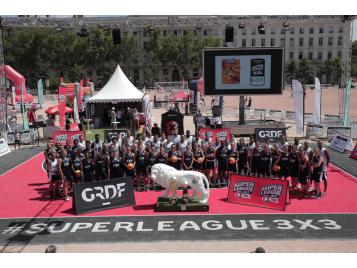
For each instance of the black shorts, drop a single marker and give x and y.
(303, 179)
(141, 170)
(222, 166)
(232, 168)
(317, 176)
(209, 164)
(56, 178)
(265, 172)
(255, 169)
(242, 167)
(293, 173)
(130, 173)
(324, 175)
(17, 142)
(101, 174)
(197, 166)
(284, 173)
(88, 177)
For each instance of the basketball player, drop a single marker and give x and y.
(174, 158)
(242, 157)
(65, 170)
(317, 170)
(187, 158)
(140, 167)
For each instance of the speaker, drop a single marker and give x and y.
(229, 34)
(116, 36)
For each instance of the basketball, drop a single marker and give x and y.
(200, 160)
(130, 166)
(276, 168)
(77, 173)
(232, 161)
(173, 159)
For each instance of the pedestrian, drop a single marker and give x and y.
(17, 138)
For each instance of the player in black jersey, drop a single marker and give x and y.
(69, 149)
(174, 158)
(255, 161)
(210, 156)
(275, 153)
(115, 166)
(304, 171)
(65, 170)
(141, 168)
(317, 167)
(129, 163)
(150, 159)
(198, 158)
(265, 162)
(77, 166)
(283, 162)
(101, 162)
(232, 160)
(222, 158)
(88, 167)
(161, 157)
(242, 157)
(187, 158)
(293, 167)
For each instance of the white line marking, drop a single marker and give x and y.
(20, 164)
(344, 171)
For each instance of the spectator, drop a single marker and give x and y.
(155, 130)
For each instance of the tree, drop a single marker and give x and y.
(305, 71)
(291, 69)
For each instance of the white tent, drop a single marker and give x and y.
(118, 89)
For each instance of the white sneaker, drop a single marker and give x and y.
(67, 198)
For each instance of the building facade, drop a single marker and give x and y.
(317, 38)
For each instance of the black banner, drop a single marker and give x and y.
(272, 135)
(109, 134)
(10, 137)
(94, 196)
(170, 121)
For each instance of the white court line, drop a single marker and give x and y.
(344, 171)
(20, 164)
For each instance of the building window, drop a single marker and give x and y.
(321, 41)
(136, 77)
(262, 42)
(291, 42)
(292, 30)
(341, 29)
(329, 55)
(244, 43)
(175, 32)
(272, 31)
(311, 30)
(164, 32)
(272, 42)
(253, 42)
(165, 74)
(282, 31)
(339, 54)
(301, 30)
(311, 42)
(321, 30)
(330, 41)
(301, 42)
(254, 31)
(184, 32)
(339, 41)
(291, 55)
(282, 42)
(301, 55)
(135, 33)
(310, 56)
(145, 33)
(319, 56)
(244, 32)
(204, 32)
(330, 30)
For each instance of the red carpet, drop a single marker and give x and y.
(24, 193)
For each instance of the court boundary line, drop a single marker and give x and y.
(20, 164)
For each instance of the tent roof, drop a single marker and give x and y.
(117, 89)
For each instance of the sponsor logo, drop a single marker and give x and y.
(270, 133)
(104, 193)
(243, 189)
(61, 138)
(271, 193)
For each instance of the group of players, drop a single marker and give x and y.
(86, 161)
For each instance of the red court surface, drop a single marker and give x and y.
(24, 193)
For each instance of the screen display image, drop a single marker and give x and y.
(230, 71)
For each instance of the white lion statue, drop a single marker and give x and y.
(165, 176)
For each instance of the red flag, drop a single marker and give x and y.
(81, 84)
(61, 106)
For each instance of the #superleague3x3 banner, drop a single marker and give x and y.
(260, 192)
